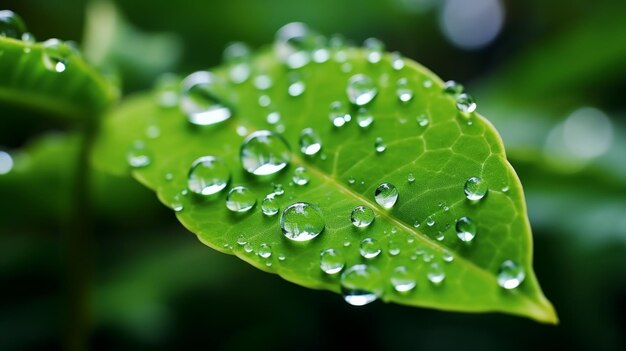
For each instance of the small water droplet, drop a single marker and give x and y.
(379, 145)
(393, 247)
(269, 205)
(369, 248)
(374, 49)
(282, 257)
(296, 88)
(320, 51)
(430, 221)
(199, 101)
(410, 177)
(465, 103)
(273, 117)
(351, 180)
(465, 229)
(248, 248)
(331, 261)
(6, 162)
(138, 155)
(301, 176)
(293, 44)
(237, 56)
(361, 89)
(447, 257)
(241, 240)
(402, 280)
(404, 93)
(176, 203)
(265, 250)
(302, 221)
(240, 199)
(11, 25)
(360, 285)
(364, 118)
(310, 142)
(362, 216)
(505, 189)
(264, 101)
(416, 224)
(510, 275)
(264, 152)
(427, 84)
(422, 120)
(386, 195)
(339, 114)
(56, 55)
(263, 82)
(397, 62)
(440, 236)
(436, 273)
(166, 91)
(208, 175)
(278, 189)
(475, 189)
(452, 88)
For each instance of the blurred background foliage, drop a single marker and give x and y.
(550, 76)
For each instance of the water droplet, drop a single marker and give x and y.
(176, 203)
(241, 240)
(465, 229)
(331, 261)
(430, 221)
(362, 216)
(361, 89)
(427, 84)
(416, 224)
(302, 221)
(447, 257)
(11, 25)
(402, 280)
(138, 155)
(282, 257)
(475, 189)
(310, 142)
(208, 175)
(465, 103)
(510, 275)
(264, 101)
(369, 248)
(404, 93)
(351, 180)
(393, 247)
(269, 205)
(278, 189)
(439, 236)
(265, 250)
(237, 56)
(293, 44)
(364, 118)
(296, 88)
(166, 90)
(6, 162)
(360, 285)
(301, 176)
(397, 62)
(264, 152)
(435, 273)
(28, 39)
(56, 55)
(410, 177)
(422, 120)
(374, 48)
(263, 82)
(240, 199)
(273, 117)
(452, 88)
(386, 195)
(339, 114)
(248, 248)
(379, 145)
(320, 51)
(505, 188)
(199, 100)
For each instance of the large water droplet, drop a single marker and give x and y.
(374, 49)
(360, 285)
(240, 199)
(301, 176)
(269, 206)
(302, 221)
(199, 101)
(138, 155)
(237, 56)
(339, 114)
(11, 25)
(362, 216)
(430, 221)
(264, 152)
(435, 273)
(369, 248)
(208, 175)
(402, 280)
(510, 275)
(475, 188)
(403, 91)
(310, 142)
(56, 55)
(379, 145)
(465, 103)
(293, 44)
(361, 89)
(452, 88)
(331, 261)
(386, 195)
(364, 118)
(6, 162)
(465, 229)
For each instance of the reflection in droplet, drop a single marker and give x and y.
(199, 101)
(302, 221)
(264, 152)
(208, 175)
(361, 89)
(510, 275)
(360, 285)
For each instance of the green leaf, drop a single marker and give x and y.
(442, 155)
(79, 92)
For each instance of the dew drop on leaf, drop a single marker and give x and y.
(465, 229)
(364, 118)
(302, 221)
(240, 199)
(369, 248)
(339, 114)
(510, 275)
(360, 285)
(452, 88)
(265, 250)
(296, 88)
(263, 82)
(435, 273)
(379, 145)
(397, 62)
(465, 103)
(138, 155)
(237, 57)
(199, 101)
(362, 216)
(11, 25)
(402, 280)
(393, 247)
(278, 189)
(430, 221)
(475, 188)
(273, 117)
(310, 142)
(293, 44)
(56, 55)
(361, 89)
(331, 261)
(241, 240)
(208, 175)
(166, 91)
(410, 177)
(422, 120)
(269, 205)
(264, 152)
(447, 257)
(404, 93)
(301, 176)
(374, 49)
(386, 195)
